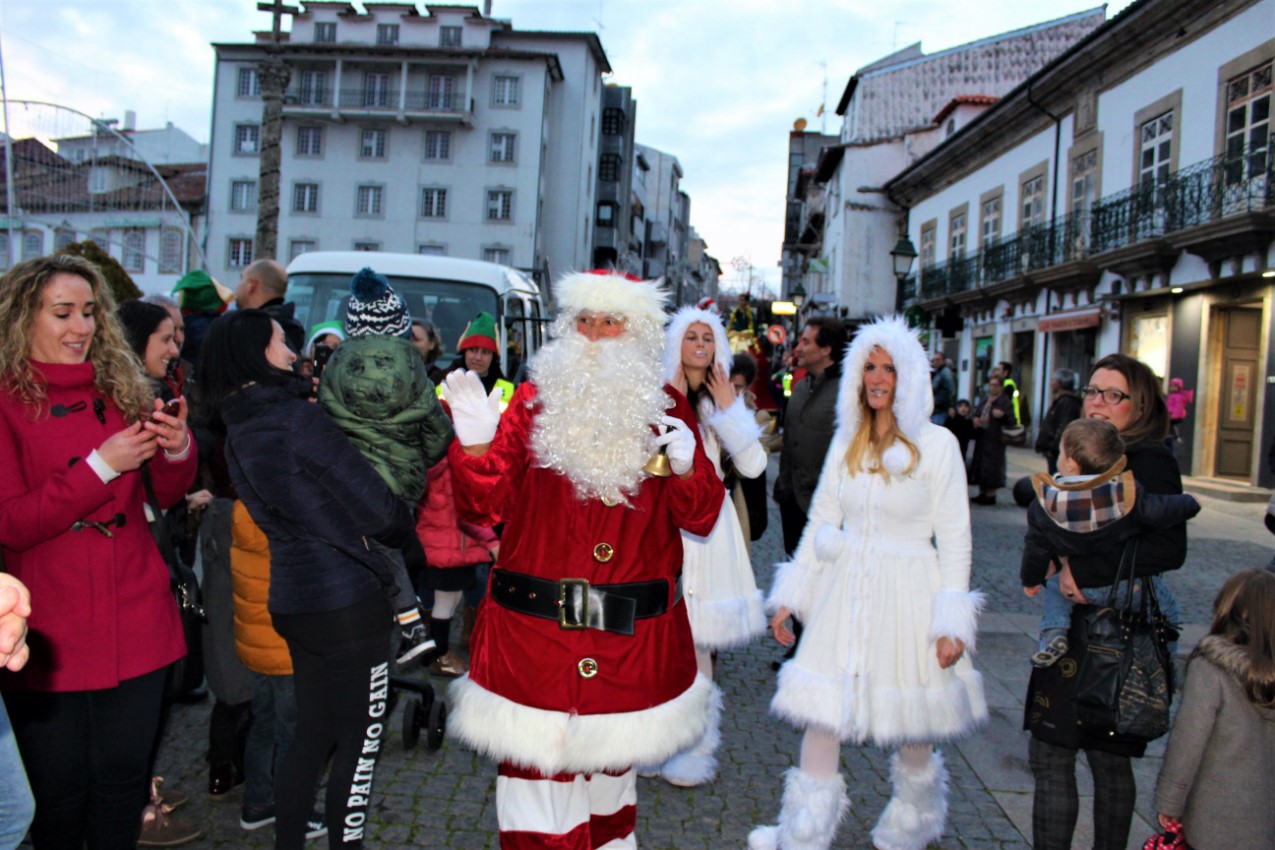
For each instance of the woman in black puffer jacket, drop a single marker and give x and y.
(318, 502)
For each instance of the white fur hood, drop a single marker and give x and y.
(913, 395)
(677, 326)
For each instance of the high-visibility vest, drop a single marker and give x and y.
(787, 384)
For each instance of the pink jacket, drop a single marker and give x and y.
(448, 540)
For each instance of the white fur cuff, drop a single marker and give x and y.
(793, 588)
(830, 542)
(735, 427)
(955, 616)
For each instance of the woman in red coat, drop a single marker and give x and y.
(104, 625)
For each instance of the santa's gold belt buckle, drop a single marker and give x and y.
(564, 585)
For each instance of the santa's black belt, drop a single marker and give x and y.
(576, 604)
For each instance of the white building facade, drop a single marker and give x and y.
(444, 132)
(1119, 200)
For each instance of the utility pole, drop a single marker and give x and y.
(273, 75)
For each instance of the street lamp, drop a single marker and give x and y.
(797, 296)
(903, 254)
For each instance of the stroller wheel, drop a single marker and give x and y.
(437, 725)
(413, 719)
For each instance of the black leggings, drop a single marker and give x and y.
(87, 754)
(340, 664)
(1056, 803)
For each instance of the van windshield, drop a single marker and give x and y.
(448, 304)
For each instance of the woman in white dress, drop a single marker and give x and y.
(881, 582)
(722, 599)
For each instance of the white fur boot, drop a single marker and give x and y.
(812, 809)
(917, 811)
(698, 764)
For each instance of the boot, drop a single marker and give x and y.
(812, 809)
(467, 615)
(698, 764)
(917, 811)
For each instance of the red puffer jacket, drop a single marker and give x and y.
(448, 540)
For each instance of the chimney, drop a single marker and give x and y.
(130, 120)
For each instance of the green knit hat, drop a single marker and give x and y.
(480, 333)
(200, 292)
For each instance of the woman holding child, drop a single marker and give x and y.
(1126, 393)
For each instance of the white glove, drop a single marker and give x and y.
(680, 441)
(829, 543)
(475, 415)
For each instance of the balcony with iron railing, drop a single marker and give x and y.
(386, 101)
(1202, 194)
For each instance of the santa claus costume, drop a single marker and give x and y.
(881, 582)
(722, 599)
(581, 660)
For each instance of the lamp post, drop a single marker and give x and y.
(903, 254)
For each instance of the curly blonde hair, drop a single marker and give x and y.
(117, 372)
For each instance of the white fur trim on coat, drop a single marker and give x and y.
(793, 588)
(913, 393)
(955, 615)
(736, 427)
(830, 542)
(726, 623)
(677, 326)
(612, 293)
(560, 742)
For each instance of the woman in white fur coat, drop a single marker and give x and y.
(722, 599)
(881, 582)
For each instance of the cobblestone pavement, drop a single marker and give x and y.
(445, 799)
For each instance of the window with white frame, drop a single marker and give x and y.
(504, 91)
(441, 89)
(990, 216)
(309, 141)
(305, 197)
(497, 254)
(134, 254)
(239, 253)
(1084, 181)
(387, 33)
(366, 245)
(171, 244)
(929, 242)
(449, 36)
(376, 89)
(433, 202)
(32, 244)
(243, 195)
(372, 143)
(312, 88)
(609, 167)
(1033, 201)
(502, 147)
(368, 201)
(500, 204)
(99, 180)
(438, 144)
(62, 238)
(1248, 124)
(247, 138)
(957, 236)
(297, 247)
(249, 83)
(432, 249)
(1155, 149)
(325, 32)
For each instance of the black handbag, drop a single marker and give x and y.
(1124, 684)
(186, 674)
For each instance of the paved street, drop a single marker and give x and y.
(446, 799)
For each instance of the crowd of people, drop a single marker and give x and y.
(352, 497)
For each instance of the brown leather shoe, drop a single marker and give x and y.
(448, 665)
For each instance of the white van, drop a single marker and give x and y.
(446, 291)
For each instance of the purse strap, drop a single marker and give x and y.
(185, 585)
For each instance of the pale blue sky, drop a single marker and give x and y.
(718, 83)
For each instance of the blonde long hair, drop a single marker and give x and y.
(866, 449)
(117, 372)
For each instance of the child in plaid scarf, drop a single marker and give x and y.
(1083, 517)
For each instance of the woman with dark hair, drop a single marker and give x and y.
(988, 469)
(104, 623)
(427, 341)
(152, 335)
(1126, 393)
(317, 501)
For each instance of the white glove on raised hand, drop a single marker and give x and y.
(680, 441)
(475, 415)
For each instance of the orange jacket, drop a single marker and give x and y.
(259, 645)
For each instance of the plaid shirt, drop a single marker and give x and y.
(1086, 503)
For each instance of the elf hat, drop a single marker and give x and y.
(200, 292)
(375, 308)
(480, 333)
(321, 330)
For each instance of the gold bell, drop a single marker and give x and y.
(658, 465)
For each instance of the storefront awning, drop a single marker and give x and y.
(1076, 320)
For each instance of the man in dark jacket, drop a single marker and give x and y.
(1064, 408)
(944, 387)
(809, 422)
(263, 285)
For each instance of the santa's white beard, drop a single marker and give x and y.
(598, 401)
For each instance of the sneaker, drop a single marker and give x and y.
(448, 665)
(1047, 655)
(416, 640)
(316, 826)
(256, 818)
